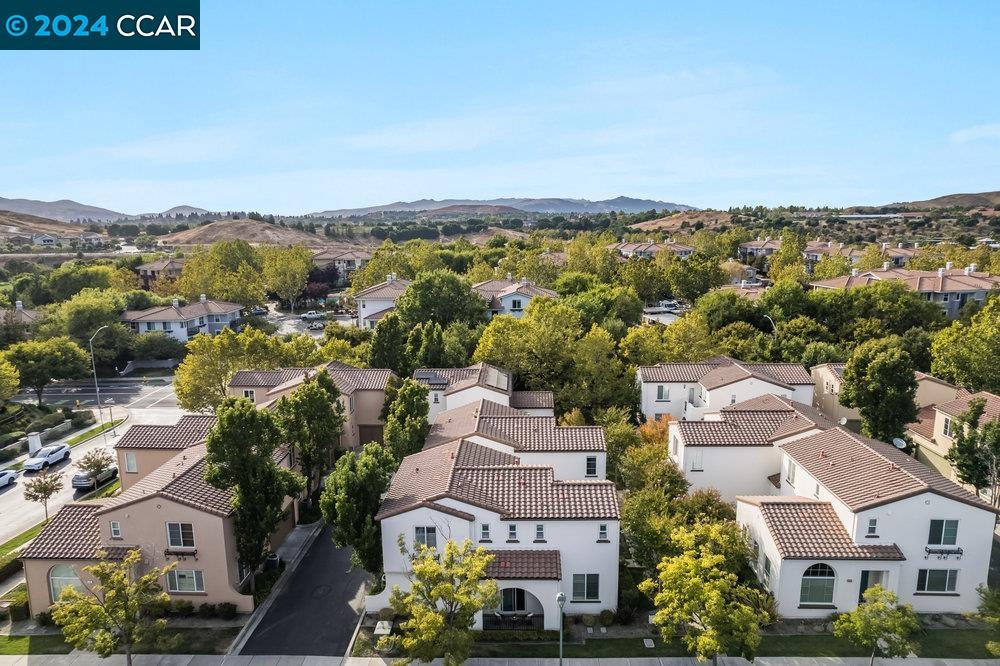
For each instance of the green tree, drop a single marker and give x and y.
(646, 279)
(873, 256)
(95, 463)
(692, 277)
(975, 451)
(10, 381)
(644, 345)
(879, 624)
(600, 378)
(240, 452)
(447, 590)
(439, 296)
(406, 425)
(879, 382)
(157, 345)
(117, 613)
(787, 263)
(312, 420)
(40, 362)
(620, 436)
(589, 253)
(604, 302)
(689, 339)
(228, 270)
(388, 347)
(388, 258)
(966, 353)
(989, 611)
(286, 271)
(351, 499)
(724, 307)
(742, 341)
(41, 488)
(698, 592)
(831, 266)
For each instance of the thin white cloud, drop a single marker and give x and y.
(976, 133)
(459, 133)
(179, 147)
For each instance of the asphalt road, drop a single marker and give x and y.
(317, 611)
(152, 393)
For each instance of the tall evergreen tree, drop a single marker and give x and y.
(406, 426)
(388, 346)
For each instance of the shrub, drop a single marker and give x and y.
(158, 609)
(181, 607)
(44, 619)
(589, 620)
(8, 454)
(207, 610)
(226, 610)
(10, 437)
(46, 422)
(10, 565)
(625, 614)
(18, 598)
(606, 617)
(82, 419)
(524, 636)
(387, 614)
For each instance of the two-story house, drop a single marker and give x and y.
(686, 391)
(144, 448)
(760, 247)
(510, 296)
(854, 512)
(169, 268)
(547, 535)
(650, 249)
(183, 322)
(448, 388)
(344, 260)
(736, 450)
(934, 430)
(362, 394)
(378, 300)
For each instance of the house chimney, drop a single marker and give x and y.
(885, 265)
(940, 272)
(949, 265)
(854, 272)
(885, 246)
(767, 238)
(510, 277)
(967, 270)
(899, 245)
(840, 245)
(973, 267)
(18, 305)
(524, 280)
(176, 303)
(203, 298)
(916, 246)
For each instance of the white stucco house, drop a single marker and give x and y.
(510, 296)
(736, 450)
(448, 388)
(547, 535)
(853, 512)
(687, 391)
(379, 300)
(183, 322)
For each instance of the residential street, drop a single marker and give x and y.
(317, 611)
(134, 393)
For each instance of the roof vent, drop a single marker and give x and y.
(973, 267)
(854, 272)
(885, 246)
(203, 298)
(899, 245)
(949, 265)
(18, 305)
(885, 265)
(940, 272)
(176, 303)
(823, 454)
(510, 277)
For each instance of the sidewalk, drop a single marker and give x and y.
(86, 659)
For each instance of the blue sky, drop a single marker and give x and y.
(300, 106)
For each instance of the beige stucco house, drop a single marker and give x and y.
(145, 448)
(934, 430)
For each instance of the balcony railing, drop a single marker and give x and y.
(494, 622)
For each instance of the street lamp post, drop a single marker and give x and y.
(97, 387)
(561, 600)
(774, 328)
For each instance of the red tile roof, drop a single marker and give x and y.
(388, 290)
(73, 534)
(953, 280)
(181, 313)
(191, 429)
(758, 421)
(924, 425)
(959, 406)
(532, 400)
(524, 565)
(722, 370)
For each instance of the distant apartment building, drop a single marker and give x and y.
(650, 249)
(378, 300)
(761, 247)
(936, 426)
(345, 261)
(183, 322)
(169, 268)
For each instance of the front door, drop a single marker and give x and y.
(871, 579)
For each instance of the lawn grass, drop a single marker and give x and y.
(24, 537)
(956, 643)
(106, 491)
(48, 644)
(93, 432)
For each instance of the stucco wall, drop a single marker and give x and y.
(146, 460)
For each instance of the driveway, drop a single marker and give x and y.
(318, 609)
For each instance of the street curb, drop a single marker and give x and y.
(357, 630)
(95, 436)
(258, 614)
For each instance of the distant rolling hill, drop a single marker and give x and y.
(248, 230)
(553, 205)
(976, 200)
(64, 210)
(22, 224)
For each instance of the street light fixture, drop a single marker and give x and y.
(97, 388)
(561, 600)
(774, 327)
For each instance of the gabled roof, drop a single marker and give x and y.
(162, 265)
(74, 533)
(959, 406)
(493, 290)
(390, 290)
(807, 529)
(532, 400)
(762, 244)
(347, 378)
(483, 477)
(191, 429)
(524, 565)
(837, 369)
(759, 421)
(938, 282)
(722, 371)
(924, 425)
(453, 380)
(864, 473)
(627, 248)
(182, 312)
(22, 316)
(266, 378)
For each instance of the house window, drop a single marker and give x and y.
(767, 571)
(130, 464)
(250, 393)
(512, 600)
(816, 491)
(937, 580)
(181, 580)
(180, 535)
(673, 445)
(790, 476)
(946, 428)
(116, 529)
(515, 304)
(167, 326)
(539, 532)
(944, 298)
(872, 527)
(817, 585)
(62, 576)
(512, 533)
(426, 536)
(586, 587)
(591, 465)
(943, 533)
(662, 393)
(350, 404)
(732, 399)
(697, 463)
(602, 532)
(437, 398)
(484, 532)
(150, 326)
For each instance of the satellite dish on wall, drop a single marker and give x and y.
(842, 420)
(899, 442)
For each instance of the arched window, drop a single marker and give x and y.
(62, 576)
(817, 585)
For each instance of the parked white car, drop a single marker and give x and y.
(7, 477)
(313, 314)
(47, 455)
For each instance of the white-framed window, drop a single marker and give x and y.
(512, 532)
(185, 580)
(766, 579)
(150, 325)
(62, 576)
(602, 532)
(591, 466)
(872, 527)
(131, 466)
(943, 533)
(937, 580)
(697, 459)
(437, 398)
(673, 445)
(116, 529)
(512, 600)
(250, 393)
(732, 399)
(484, 532)
(790, 474)
(350, 404)
(817, 585)
(662, 393)
(167, 326)
(515, 304)
(586, 587)
(180, 535)
(946, 427)
(816, 491)
(425, 535)
(539, 532)
(944, 298)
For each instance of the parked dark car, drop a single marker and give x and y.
(83, 480)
